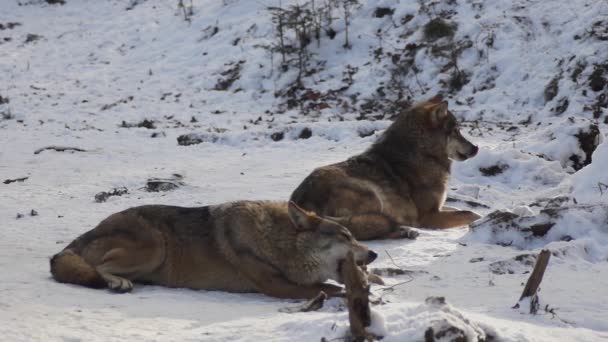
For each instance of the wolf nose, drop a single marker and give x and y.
(475, 150)
(371, 256)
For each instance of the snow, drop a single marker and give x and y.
(98, 65)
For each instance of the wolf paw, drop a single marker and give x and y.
(120, 285)
(404, 232)
(471, 215)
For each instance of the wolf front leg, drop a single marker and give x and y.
(271, 282)
(448, 219)
(372, 226)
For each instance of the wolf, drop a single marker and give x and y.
(275, 248)
(399, 182)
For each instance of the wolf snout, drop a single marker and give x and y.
(474, 151)
(371, 256)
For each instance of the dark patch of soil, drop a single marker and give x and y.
(112, 105)
(164, 184)
(366, 133)
(597, 81)
(493, 170)
(8, 26)
(599, 29)
(158, 135)
(277, 136)
(305, 133)
(381, 12)
(562, 105)
(229, 76)
(103, 196)
(145, 123)
(30, 38)
(588, 141)
(457, 80)
(438, 28)
(551, 89)
(189, 139)
(520, 264)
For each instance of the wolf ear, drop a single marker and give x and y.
(301, 219)
(436, 99)
(438, 113)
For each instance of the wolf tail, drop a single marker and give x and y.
(69, 267)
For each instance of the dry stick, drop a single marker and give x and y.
(535, 279)
(311, 305)
(357, 297)
(9, 181)
(59, 149)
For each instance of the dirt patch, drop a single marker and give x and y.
(114, 104)
(189, 139)
(30, 38)
(493, 170)
(104, 195)
(164, 184)
(277, 136)
(229, 76)
(9, 26)
(305, 133)
(520, 264)
(597, 81)
(145, 123)
(588, 140)
(381, 12)
(599, 30)
(438, 28)
(551, 89)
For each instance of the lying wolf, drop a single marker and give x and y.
(398, 183)
(270, 247)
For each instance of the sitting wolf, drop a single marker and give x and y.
(398, 183)
(270, 247)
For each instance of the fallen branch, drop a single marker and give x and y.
(470, 203)
(59, 149)
(531, 288)
(311, 305)
(357, 297)
(9, 181)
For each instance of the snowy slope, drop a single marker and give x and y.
(96, 69)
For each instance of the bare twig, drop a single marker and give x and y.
(9, 181)
(392, 287)
(59, 149)
(311, 305)
(392, 260)
(602, 187)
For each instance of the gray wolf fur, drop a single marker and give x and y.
(399, 182)
(274, 248)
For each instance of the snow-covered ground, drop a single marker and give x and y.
(95, 65)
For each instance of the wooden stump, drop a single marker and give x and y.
(531, 288)
(357, 296)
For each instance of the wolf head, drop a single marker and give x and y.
(442, 127)
(327, 242)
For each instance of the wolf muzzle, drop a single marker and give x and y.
(371, 256)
